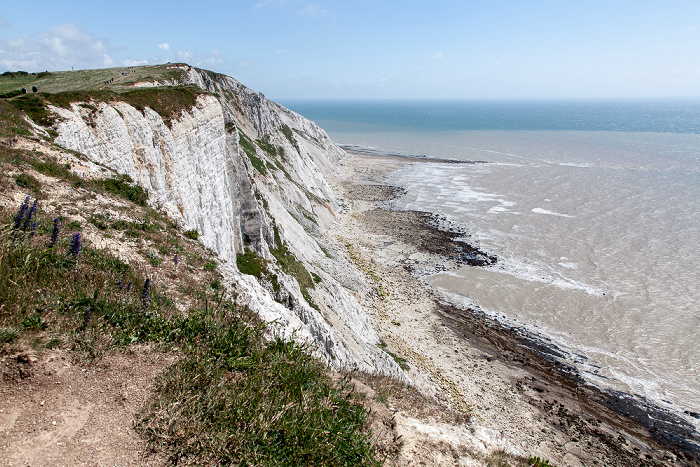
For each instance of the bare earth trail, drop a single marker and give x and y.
(54, 411)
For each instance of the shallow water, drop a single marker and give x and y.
(597, 235)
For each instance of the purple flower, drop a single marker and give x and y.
(175, 259)
(128, 286)
(75, 245)
(54, 232)
(19, 217)
(146, 294)
(87, 316)
(120, 285)
(28, 219)
(33, 231)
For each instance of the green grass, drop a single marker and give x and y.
(234, 398)
(295, 268)
(192, 234)
(28, 181)
(63, 88)
(249, 148)
(402, 362)
(287, 132)
(33, 105)
(120, 79)
(124, 187)
(250, 402)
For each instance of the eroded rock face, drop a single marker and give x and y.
(245, 173)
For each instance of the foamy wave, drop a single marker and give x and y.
(533, 273)
(551, 213)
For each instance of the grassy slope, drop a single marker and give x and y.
(92, 80)
(234, 397)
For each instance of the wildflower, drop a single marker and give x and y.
(120, 285)
(28, 218)
(19, 217)
(175, 259)
(128, 286)
(54, 232)
(146, 294)
(33, 231)
(75, 245)
(87, 316)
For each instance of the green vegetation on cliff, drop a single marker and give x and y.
(235, 394)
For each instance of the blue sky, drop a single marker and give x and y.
(377, 49)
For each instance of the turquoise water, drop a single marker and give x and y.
(593, 209)
(660, 116)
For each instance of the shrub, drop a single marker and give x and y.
(537, 462)
(192, 233)
(8, 335)
(34, 107)
(25, 180)
(124, 187)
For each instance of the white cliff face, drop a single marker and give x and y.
(184, 167)
(199, 173)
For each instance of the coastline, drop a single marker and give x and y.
(521, 399)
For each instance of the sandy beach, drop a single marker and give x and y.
(520, 399)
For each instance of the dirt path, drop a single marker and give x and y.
(55, 411)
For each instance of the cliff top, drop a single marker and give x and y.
(119, 80)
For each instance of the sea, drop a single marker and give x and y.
(592, 208)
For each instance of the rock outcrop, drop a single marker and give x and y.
(248, 175)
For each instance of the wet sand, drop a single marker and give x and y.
(521, 398)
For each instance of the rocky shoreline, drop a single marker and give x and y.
(536, 402)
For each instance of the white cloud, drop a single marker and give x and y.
(313, 10)
(199, 59)
(498, 62)
(164, 46)
(210, 60)
(438, 56)
(132, 62)
(183, 56)
(383, 80)
(677, 71)
(65, 46)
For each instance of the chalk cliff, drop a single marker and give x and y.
(248, 175)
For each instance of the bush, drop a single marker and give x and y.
(34, 107)
(25, 180)
(124, 187)
(192, 233)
